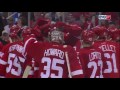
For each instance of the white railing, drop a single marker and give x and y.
(11, 15)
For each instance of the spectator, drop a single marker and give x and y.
(32, 19)
(1, 25)
(4, 39)
(53, 16)
(48, 15)
(59, 16)
(36, 16)
(7, 27)
(4, 21)
(22, 21)
(87, 24)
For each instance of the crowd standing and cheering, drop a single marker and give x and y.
(80, 46)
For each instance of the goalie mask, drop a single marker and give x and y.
(56, 36)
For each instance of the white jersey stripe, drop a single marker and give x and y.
(77, 72)
(27, 43)
(2, 62)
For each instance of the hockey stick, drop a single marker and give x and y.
(26, 72)
(68, 64)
